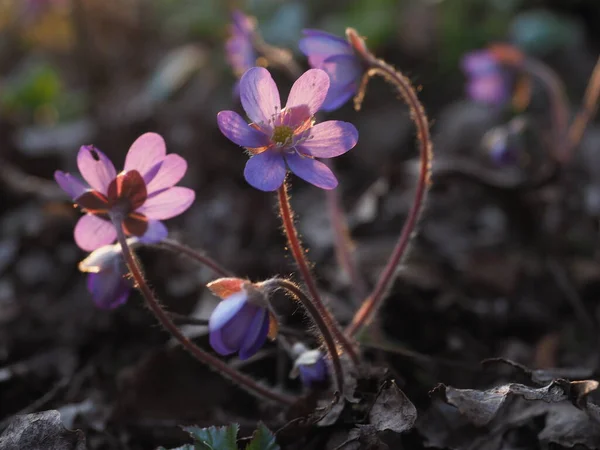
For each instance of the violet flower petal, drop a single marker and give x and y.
(226, 310)
(216, 341)
(310, 89)
(237, 130)
(313, 374)
(170, 172)
(311, 170)
(337, 97)
(329, 139)
(71, 184)
(168, 203)
(488, 89)
(234, 332)
(342, 70)
(260, 97)
(257, 334)
(95, 168)
(145, 152)
(109, 289)
(91, 232)
(265, 171)
(318, 45)
(156, 232)
(478, 62)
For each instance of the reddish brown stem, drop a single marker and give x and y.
(287, 218)
(378, 67)
(161, 315)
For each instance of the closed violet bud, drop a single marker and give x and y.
(241, 322)
(310, 365)
(107, 275)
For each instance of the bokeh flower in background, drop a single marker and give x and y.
(487, 80)
(142, 195)
(107, 275)
(335, 56)
(239, 47)
(241, 322)
(278, 138)
(310, 366)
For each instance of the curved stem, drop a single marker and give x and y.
(590, 104)
(404, 87)
(287, 217)
(213, 362)
(319, 321)
(177, 247)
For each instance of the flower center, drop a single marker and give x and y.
(282, 134)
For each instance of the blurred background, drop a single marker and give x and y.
(505, 264)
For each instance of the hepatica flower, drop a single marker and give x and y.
(140, 196)
(107, 275)
(239, 47)
(281, 139)
(310, 365)
(487, 81)
(241, 322)
(336, 57)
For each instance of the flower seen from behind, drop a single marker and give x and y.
(336, 57)
(281, 139)
(140, 196)
(487, 80)
(241, 322)
(239, 47)
(107, 275)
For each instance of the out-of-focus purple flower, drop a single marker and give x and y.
(107, 275)
(239, 48)
(239, 323)
(336, 57)
(140, 196)
(487, 82)
(505, 144)
(310, 365)
(279, 139)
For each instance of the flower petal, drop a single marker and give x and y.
(311, 170)
(146, 151)
(109, 289)
(310, 89)
(237, 130)
(91, 232)
(329, 139)
(235, 331)
(265, 171)
(167, 204)
(256, 335)
(95, 168)
(338, 96)
(171, 171)
(215, 338)
(259, 96)
(342, 70)
(156, 232)
(489, 89)
(226, 310)
(71, 184)
(318, 45)
(478, 62)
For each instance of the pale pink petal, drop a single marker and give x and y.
(171, 171)
(310, 90)
(91, 233)
(260, 97)
(167, 204)
(147, 151)
(95, 168)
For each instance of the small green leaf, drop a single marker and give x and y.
(213, 438)
(183, 447)
(262, 439)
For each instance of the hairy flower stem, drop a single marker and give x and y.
(319, 321)
(287, 218)
(379, 67)
(177, 247)
(162, 316)
(590, 104)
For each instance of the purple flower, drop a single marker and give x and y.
(238, 324)
(336, 57)
(107, 274)
(311, 366)
(279, 139)
(140, 196)
(487, 80)
(239, 48)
